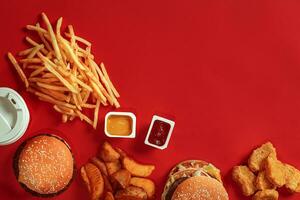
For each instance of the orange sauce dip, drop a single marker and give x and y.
(119, 125)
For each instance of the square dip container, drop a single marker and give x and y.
(132, 118)
(163, 126)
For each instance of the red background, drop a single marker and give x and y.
(227, 71)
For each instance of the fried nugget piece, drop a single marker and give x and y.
(262, 182)
(257, 157)
(292, 178)
(275, 171)
(266, 195)
(245, 178)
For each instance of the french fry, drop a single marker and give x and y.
(62, 111)
(42, 37)
(36, 28)
(30, 60)
(34, 43)
(64, 81)
(25, 52)
(72, 35)
(84, 117)
(43, 80)
(90, 106)
(18, 69)
(52, 36)
(52, 87)
(50, 99)
(108, 79)
(82, 40)
(37, 71)
(96, 114)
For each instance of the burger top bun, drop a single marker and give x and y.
(45, 164)
(200, 188)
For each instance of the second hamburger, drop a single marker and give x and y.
(194, 180)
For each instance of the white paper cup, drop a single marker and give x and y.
(14, 116)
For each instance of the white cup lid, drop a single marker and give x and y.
(14, 116)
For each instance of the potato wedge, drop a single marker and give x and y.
(121, 152)
(147, 184)
(121, 178)
(131, 193)
(100, 164)
(109, 196)
(107, 184)
(93, 179)
(113, 167)
(108, 153)
(137, 169)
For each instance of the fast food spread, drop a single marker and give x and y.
(114, 175)
(265, 173)
(60, 69)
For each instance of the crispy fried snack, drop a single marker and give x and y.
(101, 165)
(144, 183)
(245, 178)
(137, 169)
(113, 167)
(275, 171)
(107, 184)
(108, 153)
(109, 196)
(121, 178)
(131, 193)
(292, 178)
(121, 152)
(266, 195)
(262, 182)
(93, 179)
(257, 157)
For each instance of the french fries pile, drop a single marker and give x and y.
(62, 71)
(112, 175)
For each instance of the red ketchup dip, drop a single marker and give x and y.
(159, 133)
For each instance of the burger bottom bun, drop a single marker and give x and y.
(200, 188)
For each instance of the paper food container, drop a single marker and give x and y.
(160, 129)
(129, 115)
(14, 116)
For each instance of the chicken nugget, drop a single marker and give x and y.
(275, 171)
(292, 178)
(245, 178)
(257, 157)
(266, 195)
(262, 182)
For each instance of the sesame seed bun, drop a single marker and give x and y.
(185, 170)
(44, 165)
(200, 188)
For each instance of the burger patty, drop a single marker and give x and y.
(173, 187)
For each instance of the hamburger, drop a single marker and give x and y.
(44, 165)
(194, 180)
